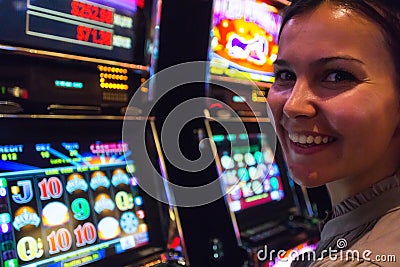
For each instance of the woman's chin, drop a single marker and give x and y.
(309, 184)
(309, 179)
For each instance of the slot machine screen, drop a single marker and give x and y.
(254, 176)
(251, 176)
(244, 40)
(73, 199)
(105, 29)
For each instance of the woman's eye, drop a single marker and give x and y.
(285, 76)
(340, 76)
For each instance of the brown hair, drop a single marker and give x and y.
(384, 13)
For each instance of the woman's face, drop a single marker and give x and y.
(334, 101)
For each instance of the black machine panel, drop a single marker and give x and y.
(73, 56)
(48, 86)
(97, 28)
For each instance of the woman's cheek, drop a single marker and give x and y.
(275, 104)
(271, 97)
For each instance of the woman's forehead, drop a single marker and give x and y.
(330, 29)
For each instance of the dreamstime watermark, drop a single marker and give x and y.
(340, 254)
(134, 133)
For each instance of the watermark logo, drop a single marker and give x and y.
(341, 243)
(133, 132)
(336, 255)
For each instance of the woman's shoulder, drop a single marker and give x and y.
(378, 247)
(383, 241)
(387, 228)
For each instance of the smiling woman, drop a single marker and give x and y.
(336, 106)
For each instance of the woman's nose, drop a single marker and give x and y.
(301, 101)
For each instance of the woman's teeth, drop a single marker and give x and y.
(309, 139)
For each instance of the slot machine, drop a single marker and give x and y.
(261, 199)
(70, 183)
(72, 197)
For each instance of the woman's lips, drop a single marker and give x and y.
(310, 139)
(309, 143)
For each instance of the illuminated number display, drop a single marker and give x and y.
(9, 156)
(91, 12)
(59, 241)
(87, 34)
(81, 209)
(51, 188)
(85, 235)
(85, 23)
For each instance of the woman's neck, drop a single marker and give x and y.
(342, 189)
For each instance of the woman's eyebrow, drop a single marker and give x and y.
(321, 61)
(326, 60)
(281, 63)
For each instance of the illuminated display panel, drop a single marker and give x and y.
(70, 201)
(243, 42)
(250, 174)
(102, 29)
